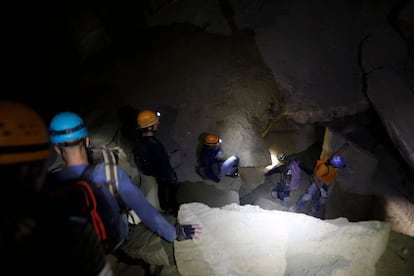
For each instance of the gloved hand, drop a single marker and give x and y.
(184, 232)
(323, 192)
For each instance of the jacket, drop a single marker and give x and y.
(152, 159)
(324, 171)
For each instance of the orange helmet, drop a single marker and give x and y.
(23, 134)
(147, 118)
(211, 140)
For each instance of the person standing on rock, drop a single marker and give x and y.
(151, 159)
(324, 175)
(213, 164)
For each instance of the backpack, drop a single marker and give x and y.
(83, 198)
(111, 157)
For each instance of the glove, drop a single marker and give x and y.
(323, 192)
(184, 232)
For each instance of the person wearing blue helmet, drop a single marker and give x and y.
(33, 234)
(324, 175)
(67, 127)
(69, 134)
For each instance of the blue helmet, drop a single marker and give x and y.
(66, 127)
(337, 161)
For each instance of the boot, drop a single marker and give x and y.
(235, 173)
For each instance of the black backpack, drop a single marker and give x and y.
(83, 198)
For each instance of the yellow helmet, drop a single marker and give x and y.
(211, 140)
(147, 118)
(23, 134)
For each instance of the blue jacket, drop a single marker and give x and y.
(132, 197)
(210, 162)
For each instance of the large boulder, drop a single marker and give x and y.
(248, 240)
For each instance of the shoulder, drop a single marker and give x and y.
(142, 140)
(320, 164)
(147, 141)
(98, 167)
(154, 141)
(206, 148)
(68, 173)
(97, 172)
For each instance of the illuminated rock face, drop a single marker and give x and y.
(248, 240)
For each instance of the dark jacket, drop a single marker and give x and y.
(151, 158)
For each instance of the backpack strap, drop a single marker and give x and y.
(81, 186)
(113, 187)
(97, 221)
(111, 174)
(111, 171)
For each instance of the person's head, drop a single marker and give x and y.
(69, 134)
(282, 158)
(24, 145)
(337, 161)
(148, 120)
(212, 140)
